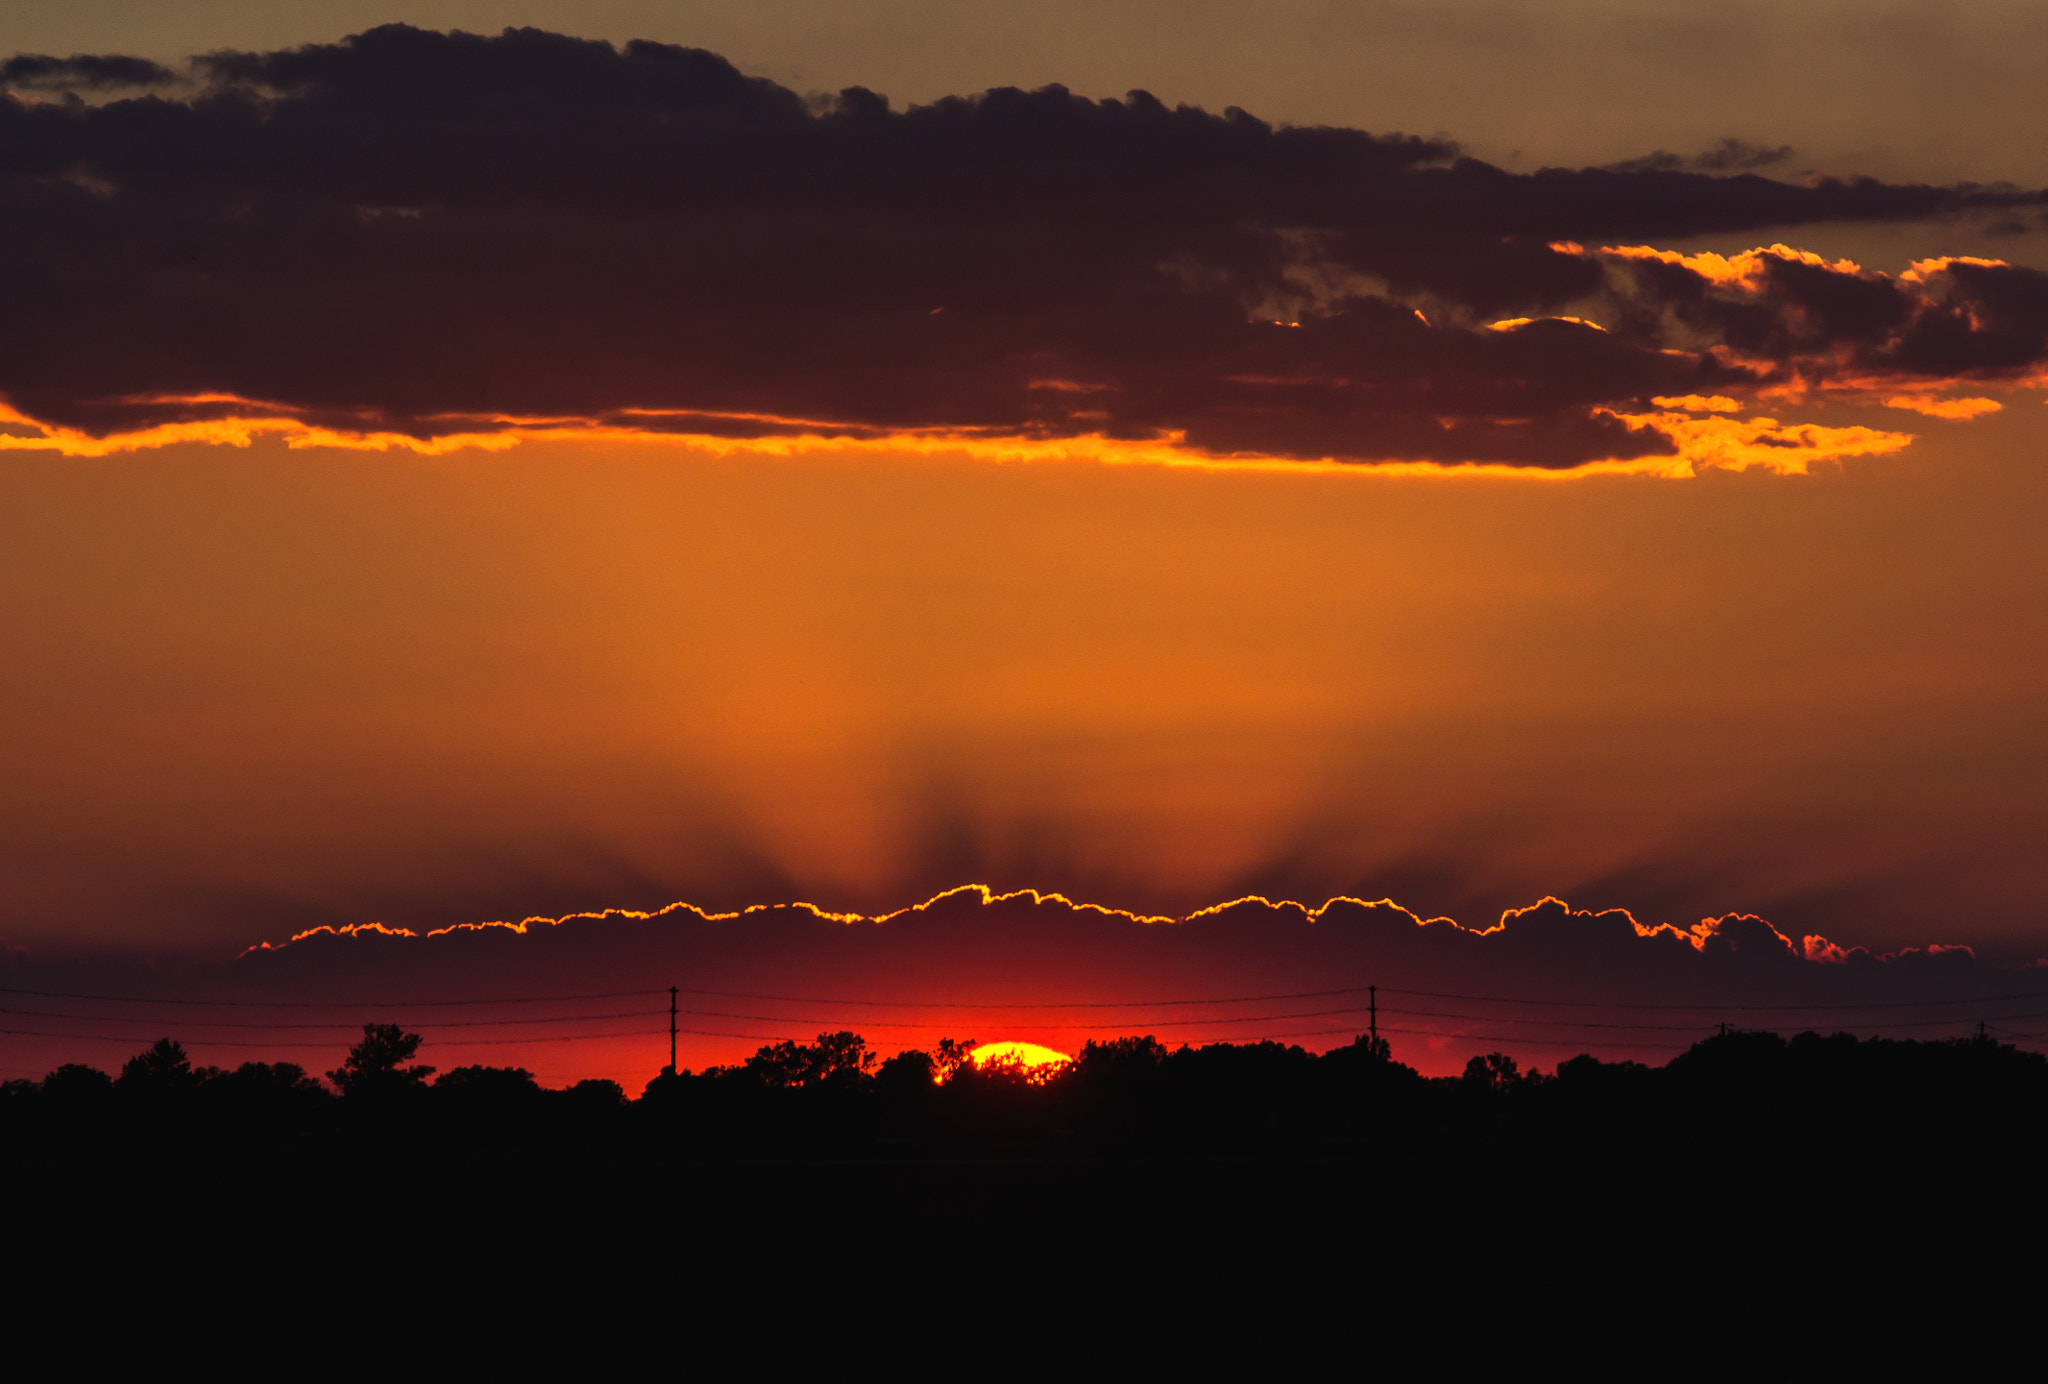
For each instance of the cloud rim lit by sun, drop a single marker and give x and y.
(1701, 444)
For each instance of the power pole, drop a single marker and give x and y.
(671, 1030)
(1372, 1000)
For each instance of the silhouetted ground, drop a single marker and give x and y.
(1220, 1188)
(1750, 1100)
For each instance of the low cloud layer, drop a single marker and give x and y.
(412, 235)
(588, 994)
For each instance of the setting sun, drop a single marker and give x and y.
(1031, 1057)
(1159, 561)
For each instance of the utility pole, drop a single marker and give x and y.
(671, 1030)
(1372, 1000)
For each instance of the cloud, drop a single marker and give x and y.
(1545, 981)
(1958, 409)
(1729, 156)
(88, 71)
(421, 239)
(1796, 323)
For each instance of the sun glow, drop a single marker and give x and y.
(1032, 1058)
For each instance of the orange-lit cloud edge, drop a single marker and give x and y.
(1812, 947)
(1706, 433)
(1710, 442)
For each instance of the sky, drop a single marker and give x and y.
(737, 455)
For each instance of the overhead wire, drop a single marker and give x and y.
(336, 1044)
(809, 1020)
(862, 1003)
(450, 1023)
(445, 1043)
(787, 1024)
(328, 1004)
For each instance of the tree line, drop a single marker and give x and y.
(836, 1095)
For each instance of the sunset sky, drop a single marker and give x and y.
(739, 454)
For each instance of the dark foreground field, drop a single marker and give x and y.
(1243, 1194)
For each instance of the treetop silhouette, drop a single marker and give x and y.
(378, 1064)
(834, 1059)
(161, 1068)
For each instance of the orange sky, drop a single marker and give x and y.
(255, 690)
(344, 579)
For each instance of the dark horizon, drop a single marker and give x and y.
(834, 1097)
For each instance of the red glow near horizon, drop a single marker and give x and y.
(669, 485)
(568, 999)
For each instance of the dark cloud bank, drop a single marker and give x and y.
(1579, 981)
(424, 233)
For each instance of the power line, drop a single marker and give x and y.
(447, 1043)
(1524, 1039)
(327, 1004)
(763, 1037)
(1716, 1008)
(1364, 989)
(1034, 1004)
(1651, 1028)
(687, 990)
(805, 1021)
(1006, 1006)
(794, 1024)
(797, 1024)
(274, 1027)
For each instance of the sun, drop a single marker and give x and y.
(1032, 1057)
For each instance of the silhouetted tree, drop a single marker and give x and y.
(270, 1086)
(376, 1065)
(258, 1105)
(76, 1084)
(779, 1064)
(835, 1058)
(69, 1112)
(1012, 1070)
(950, 1056)
(910, 1070)
(667, 1086)
(160, 1069)
(1125, 1053)
(1117, 1084)
(279, 1076)
(1363, 1090)
(1495, 1071)
(1742, 1090)
(1119, 1061)
(598, 1094)
(487, 1082)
